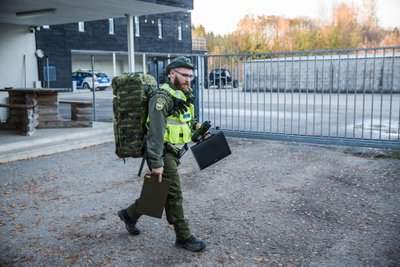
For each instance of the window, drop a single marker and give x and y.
(111, 26)
(81, 26)
(179, 30)
(160, 33)
(137, 28)
(47, 27)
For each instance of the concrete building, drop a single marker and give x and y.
(21, 19)
(69, 47)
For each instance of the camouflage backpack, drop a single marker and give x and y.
(132, 91)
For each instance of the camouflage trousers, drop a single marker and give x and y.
(173, 206)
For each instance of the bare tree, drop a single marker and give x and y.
(368, 14)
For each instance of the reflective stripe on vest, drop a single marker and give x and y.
(178, 129)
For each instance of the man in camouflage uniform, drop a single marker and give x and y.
(171, 119)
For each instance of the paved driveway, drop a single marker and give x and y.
(267, 203)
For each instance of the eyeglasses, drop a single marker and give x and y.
(187, 76)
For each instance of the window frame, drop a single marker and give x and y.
(160, 28)
(111, 26)
(81, 26)
(180, 30)
(137, 26)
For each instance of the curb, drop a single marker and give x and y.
(49, 141)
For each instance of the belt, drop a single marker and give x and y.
(178, 152)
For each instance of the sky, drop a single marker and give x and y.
(222, 16)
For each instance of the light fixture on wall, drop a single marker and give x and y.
(39, 53)
(35, 13)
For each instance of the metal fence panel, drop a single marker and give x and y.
(349, 97)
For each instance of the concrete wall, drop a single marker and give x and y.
(18, 64)
(327, 74)
(104, 63)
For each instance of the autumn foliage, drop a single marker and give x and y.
(348, 27)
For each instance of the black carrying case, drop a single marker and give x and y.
(211, 150)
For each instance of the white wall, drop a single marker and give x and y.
(138, 64)
(17, 42)
(18, 63)
(104, 63)
(105, 66)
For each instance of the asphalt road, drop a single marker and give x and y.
(368, 116)
(269, 203)
(103, 108)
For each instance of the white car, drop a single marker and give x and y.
(83, 79)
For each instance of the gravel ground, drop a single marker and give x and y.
(268, 203)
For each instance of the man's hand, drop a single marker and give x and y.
(158, 172)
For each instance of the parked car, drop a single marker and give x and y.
(83, 79)
(220, 78)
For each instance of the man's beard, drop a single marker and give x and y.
(184, 86)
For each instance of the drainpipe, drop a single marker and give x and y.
(131, 44)
(114, 60)
(144, 63)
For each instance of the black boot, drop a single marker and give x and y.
(192, 244)
(130, 224)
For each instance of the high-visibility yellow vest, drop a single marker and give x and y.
(178, 128)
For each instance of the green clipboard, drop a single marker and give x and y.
(153, 196)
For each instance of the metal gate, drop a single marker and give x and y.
(346, 97)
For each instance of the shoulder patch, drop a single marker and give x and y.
(160, 103)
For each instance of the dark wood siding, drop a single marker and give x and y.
(58, 41)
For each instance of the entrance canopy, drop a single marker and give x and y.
(19, 20)
(51, 12)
